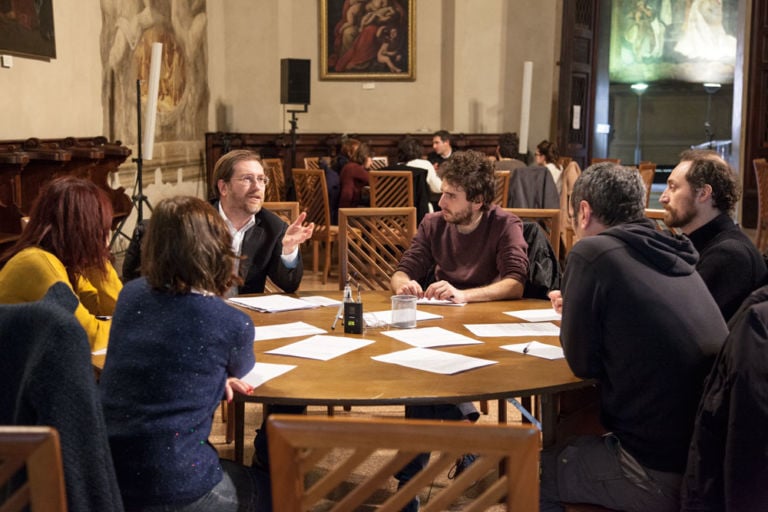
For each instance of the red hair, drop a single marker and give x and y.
(71, 219)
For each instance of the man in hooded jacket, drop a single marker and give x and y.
(637, 318)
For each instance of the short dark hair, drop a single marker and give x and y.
(473, 172)
(409, 149)
(549, 151)
(616, 194)
(709, 168)
(188, 246)
(444, 135)
(225, 166)
(509, 145)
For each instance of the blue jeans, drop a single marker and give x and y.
(242, 489)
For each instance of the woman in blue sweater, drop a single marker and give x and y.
(176, 349)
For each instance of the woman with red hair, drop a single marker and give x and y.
(66, 240)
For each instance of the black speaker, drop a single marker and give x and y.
(294, 81)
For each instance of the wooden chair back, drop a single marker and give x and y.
(312, 456)
(372, 242)
(600, 160)
(286, 210)
(548, 218)
(570, 174)
(273, 169)
(501, 197)
(391, 189)
(312, 195)
(647, 171)
(379, 162)
(37, 449)
(312, 162)
(657, 216)
(761, 177)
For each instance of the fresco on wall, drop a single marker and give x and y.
(685, 40)
(128, 31)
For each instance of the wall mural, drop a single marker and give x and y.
(129, 28)
(685, 40)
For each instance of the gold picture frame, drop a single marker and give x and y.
(26, 29)
(367, 40)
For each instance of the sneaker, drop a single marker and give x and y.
(462, 463)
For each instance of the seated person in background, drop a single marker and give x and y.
(728, 458)
(547, 156)
(66, 240)
(354, 176)
(409, 159)
(265, 245)
(332, 171)
(637, 317)
(508, 153)
(441, 148)
(700, 196)
(410, 152)
(475, 251)
(176, 350)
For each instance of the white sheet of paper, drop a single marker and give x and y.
(323, 348)
(272, 303)
(433, 361)
(496, 330)
(289, 330)
(319, 300)
(262, 372)
(426, 337)
(439, 302)
(537, 349)
(378, 318)
(535, 315)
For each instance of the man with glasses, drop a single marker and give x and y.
(269, 246)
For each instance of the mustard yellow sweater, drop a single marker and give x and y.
(28, 275)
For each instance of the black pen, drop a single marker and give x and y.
(526, 348)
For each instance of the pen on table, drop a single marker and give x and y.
(526, 348)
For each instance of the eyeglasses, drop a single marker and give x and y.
(251, 180)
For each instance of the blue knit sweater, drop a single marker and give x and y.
(167, 363)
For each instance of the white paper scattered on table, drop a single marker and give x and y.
(319, 300)
(426, 337)
(323, 348)
(262, 372)
(289, 330)
(433, 361)
(439, 302)
(272, 303)
(537, 349)
(379, 318)
(496, 330)
(535, 315)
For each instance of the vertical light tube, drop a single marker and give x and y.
(151, 112)
(525, 106)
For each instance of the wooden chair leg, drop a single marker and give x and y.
(484, 406)
(230, 423)
(316, 256)
(331, 412)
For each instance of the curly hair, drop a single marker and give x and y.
(472, 172)
(188, 246)
(616, 194)
(71, 218)
(708, 168)
(509, 145)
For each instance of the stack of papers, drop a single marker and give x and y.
(433, 361)
(535, 315)
(426, 337)
(272, 303)
(289, 330)
(537, 349)
(498, 330)
(323, 348)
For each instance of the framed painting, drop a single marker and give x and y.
(26, 28)
(367, 40)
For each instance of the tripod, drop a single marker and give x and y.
(138, 198)
(294, 124)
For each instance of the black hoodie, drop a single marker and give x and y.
(638, 318)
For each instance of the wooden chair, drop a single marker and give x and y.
(600, 160)
(286, 210)
(379, 162)
(550, 217)
(647, 171)
(312, 162)
(657, 216)
(273, 168)
(391, 189)
(501, 196)
(312, 194)
(761, 177)
(299, 447)
(570, 174)
(39, 450)
(372, 242)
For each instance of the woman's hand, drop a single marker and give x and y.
(233, 384)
